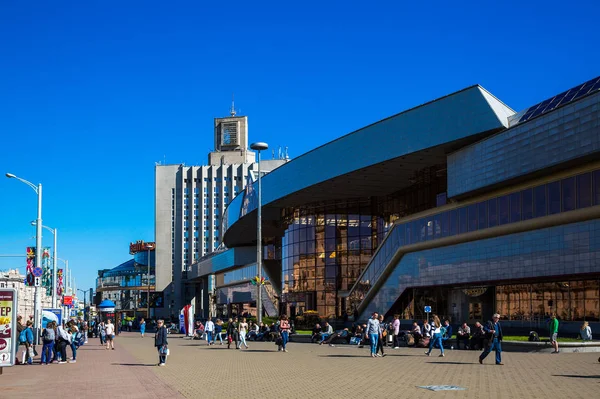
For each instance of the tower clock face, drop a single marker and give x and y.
(226, 137)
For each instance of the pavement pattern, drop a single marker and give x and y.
(195, 370)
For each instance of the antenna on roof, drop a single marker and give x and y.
(232, 110)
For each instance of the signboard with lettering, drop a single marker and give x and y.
(68, 300)
(8, 327)
(141, 246)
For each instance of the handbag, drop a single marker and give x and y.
(31, 352)
(164, 350)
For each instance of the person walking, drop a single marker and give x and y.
(161, 343)
(110, 335)
(553, 327)
(437, 336)
(102, 333)
(284, 330)
(209, 329)
(494, 332)
(373, 332)
(243, 331)
(381, 342)
(142, 327)
(232, 333)
(218, 330)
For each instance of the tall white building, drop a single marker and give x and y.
(189, 204)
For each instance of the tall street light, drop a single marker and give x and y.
(149, 247)
(258, 147)
(37, 309)
(55, 258)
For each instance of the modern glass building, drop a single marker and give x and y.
(128, 284)
(460, 204)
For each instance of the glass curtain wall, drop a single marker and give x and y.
(323, 254)
(571, 300)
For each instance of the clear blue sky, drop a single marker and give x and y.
(93, 93)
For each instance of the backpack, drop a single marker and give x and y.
(48, 335)
(23, 336)
(534, 337)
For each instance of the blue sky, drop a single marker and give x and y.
(93, 93)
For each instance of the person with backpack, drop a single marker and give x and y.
(48, 338)
(26, 339)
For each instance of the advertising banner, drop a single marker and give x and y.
(59, 286)
(47, 271)
(30, 266)
(68, 300)
(8, 327)
(49, 315)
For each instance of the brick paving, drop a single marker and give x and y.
(195, 370)
(98, 372)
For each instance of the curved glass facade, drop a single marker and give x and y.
(571, 193)
(323, 254)
(556, 252)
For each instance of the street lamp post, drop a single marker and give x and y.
(148, 247)
(37, 309)
(55, 259)
(258, 147)
(84, 301)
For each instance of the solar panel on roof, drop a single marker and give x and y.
(563, 98)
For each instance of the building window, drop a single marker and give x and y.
(540, 202)
(584, 190)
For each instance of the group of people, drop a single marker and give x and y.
(55, 338)
(436, 332)
(238, 332)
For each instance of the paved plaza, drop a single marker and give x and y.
(195, 370)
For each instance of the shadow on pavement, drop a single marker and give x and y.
(450, 363)
(576, 376)
(343, 356)
(134, 364)
(258, 350)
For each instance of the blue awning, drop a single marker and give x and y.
(106, 304)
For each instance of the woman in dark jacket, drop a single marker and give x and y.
(160, 342)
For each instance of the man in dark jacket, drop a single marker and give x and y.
(20, 328)
(494, 332)
(160, 342)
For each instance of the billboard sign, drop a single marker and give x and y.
(8, 327)
(49, 315)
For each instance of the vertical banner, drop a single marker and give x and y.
(59, 286)
(8, 327)
(47, 273)
(30, 266)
